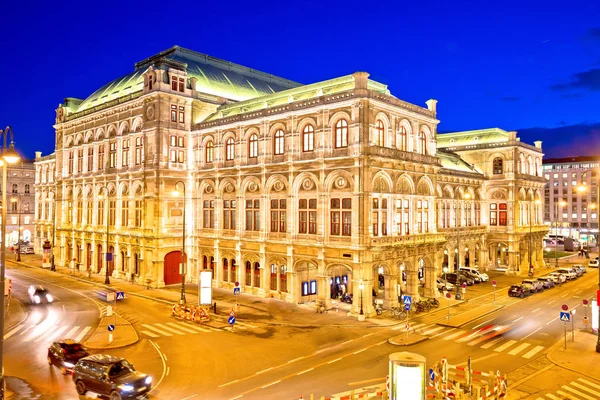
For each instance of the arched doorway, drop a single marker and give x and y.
(88, 256)
(111, 260)
(339, 281)
(307, 281)
(122, 261)
(171, 270)
(99, 259)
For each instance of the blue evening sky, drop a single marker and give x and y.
(509, 64)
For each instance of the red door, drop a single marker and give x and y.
(172, 261)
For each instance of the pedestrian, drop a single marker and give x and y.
(132, 277)
(215, 308)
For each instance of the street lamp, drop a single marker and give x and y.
(53, 201)
(537, 201)
(9, 156)
(361, 286)
(18, 209)
(183, 270)
(458, 218)
(107, 275)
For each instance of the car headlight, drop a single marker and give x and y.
(148, 380)
(68, 364)
(49, 298)
(36, 298)
(126, 388)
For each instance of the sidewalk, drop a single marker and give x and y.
(580, 355)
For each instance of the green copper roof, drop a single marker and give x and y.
(300, 93)
(215, 77)
(480, 136)
(454, 162)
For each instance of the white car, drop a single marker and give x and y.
(557, 277)
(570, 274)
(594, 264)
(482, 275)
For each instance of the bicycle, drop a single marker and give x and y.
(434, 303)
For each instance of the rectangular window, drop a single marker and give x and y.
(307, 210)
(80, 160)
(173, 82)
(90, 210)
(112, 155)
(502, 215)
(125, 153)
(229, 214)
(70, 166)
(79, 212)
(208, 214)
(278, 215)
(139, 150)
(112, 205)
(90, 159)
(101, 157)
(138, 213)
(181, 114)
(341, 217)
(173, 113)
(375, 217)
(253, 215)
(181, 85)
(100, 212)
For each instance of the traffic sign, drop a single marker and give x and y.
(232, 313)
(120, 295)
(431, 374)
(494, 283)
(236, 290)
(231, 320)
(565, 317)
(237, 284)
(407, 327)
(111, 328)
(448, 295)
(565, 307)
(407, 299)
(406, 307)
(464, 285)
(585, 302)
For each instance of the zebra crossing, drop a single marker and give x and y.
(488, 342)
(179, 328)
(581, 389)
(45, 333)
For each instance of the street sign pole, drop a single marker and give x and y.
(565, 335)
(448, 295)
(494, 285)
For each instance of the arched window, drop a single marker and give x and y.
(341, 134)
(379, 133)
(308, 138)
(497, 166)
(210, 152)
(27, 188)
(422, 143)
(279, 142)
(401, 139)
(229, 149)
(253, 146)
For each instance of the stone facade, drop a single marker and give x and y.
(285, 192)
(20, 196)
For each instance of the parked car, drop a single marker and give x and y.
(568, 272)
(519, 291)
(470, 275)
(26, 250)
(595, 263)
(110, 376)
(65, 353)
(579, 269)
(39, 294)
(482, 275)
(547, 281)
(458, 279)
(557, 277)
(534, 285)
(443, 285)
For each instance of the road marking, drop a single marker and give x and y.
(564, 394)
(229, 383)
(551, 396)
(518, 349)
(305, 371)
(72, 332)
(578, 393)
(82, 333)
(162, 326)
(156, 330)
(537, 309)
(9, 334)
(483, 323)
(162, 358)
(196, 328)
(150, 334)
(346, 342)
(51, 334)
(505, 346)
(270, 384)
(182, 327)
(433, 330)
(490, 344)
(295, 359)
(580, 386)
(532, 333)
(359, 351)
(552, 320)
(441, 333)
(450, 337)
(264, 370)
(417, 326)
(518, 319)
(564, 295)
(237, 322)
(237, 397)
(532, 352)
(553, 301)
(332, 361)
(589, 383)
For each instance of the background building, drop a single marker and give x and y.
(289, 189)
(573, 180)
(21, 202)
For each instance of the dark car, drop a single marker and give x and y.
(65, 354)
(110, 376)
(472, 276)
(547, 281)
(458, 279)
(519, 291)
(39, 294)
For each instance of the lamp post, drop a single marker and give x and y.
(107, 275)
(18, 210)
(9, 156)
(52, 265)
(562, 203)
(458, 224)
(361, 286)
(183, 268)
(537, 201)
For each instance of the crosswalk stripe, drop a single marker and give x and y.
(72, 332)
(518, 349)
(197, 328)
(150, 334)
(552, 397)
(52, 333)
(505, 346)
(245, 324)
(589, 383)
(182, 327)
(417, 326)
(539, 398)
(450, 337)
(82, 334)
(532, 352)
(443, 332)
(578, 393)
(580, 386)
(152, 328)
(162, 326)
(439, 328)
(12, 332)
(490, 344)
(567, 395)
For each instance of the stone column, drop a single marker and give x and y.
(412, 284)
(450, 261)
(393, 282)
(430, 282)
(367, 297)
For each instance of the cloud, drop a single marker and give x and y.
(587, 80)
(583, 139)
(510, 98)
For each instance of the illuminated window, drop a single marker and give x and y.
(379, 133)
(90, 159)
(181, 114)
(253, 146)
(279, 142)
(341, 134)
(340, 223)
(422, 143)
(402, 138)
(379, 217)
(173, 113)
(112, 155)
(139, 150)
(229, 214)
(497, 166)
(124, 213)
(79, 160)
(210, 152)
(100, 218)
(70, 166)
(278, 215)
(79, 212)
(125, 153)
(177, 154)
(229, 149)
(208, 214)
(253, 215)
(112, 208)
(138, 213)
(308, 138)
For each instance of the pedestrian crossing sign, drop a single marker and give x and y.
(120, 295)
(565, 316)
(407, 300)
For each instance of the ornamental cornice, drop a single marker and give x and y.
(92, 117)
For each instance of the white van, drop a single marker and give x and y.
(484, 277)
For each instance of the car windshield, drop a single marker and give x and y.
(120, 368)
(73, 348)
(41, 292)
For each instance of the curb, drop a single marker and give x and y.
(500, 307)
(137, 336)
(408, 342)
(21, 310)
(550, 356)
